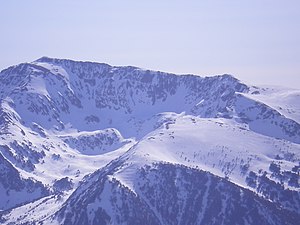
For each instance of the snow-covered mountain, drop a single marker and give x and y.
(90, 143)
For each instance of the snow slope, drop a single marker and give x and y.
(284, 100)
(89, 143)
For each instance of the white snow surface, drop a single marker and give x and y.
(284, 100)
(162, 133)
(220, 146)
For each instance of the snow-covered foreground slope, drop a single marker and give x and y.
(88, 143)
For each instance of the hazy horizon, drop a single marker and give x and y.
(257, 41)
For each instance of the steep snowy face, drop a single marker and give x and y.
(168, 194)
(15, 190)
(90, 143)
(90, 96)
(59, 94)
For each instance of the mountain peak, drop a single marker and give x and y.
(59, 61)
(111, 133)
(44, 59)
(64, 62)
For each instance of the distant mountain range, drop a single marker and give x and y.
(90, 143)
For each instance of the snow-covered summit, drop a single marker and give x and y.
(100, 134)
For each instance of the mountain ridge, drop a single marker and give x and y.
(63, 121)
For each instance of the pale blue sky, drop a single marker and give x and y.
(257, 41)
